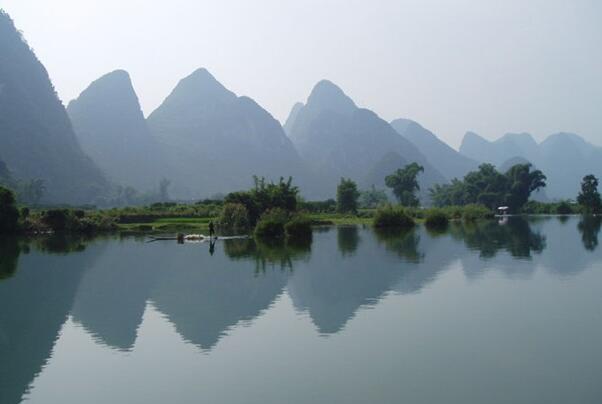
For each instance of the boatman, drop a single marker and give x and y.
(211, 229)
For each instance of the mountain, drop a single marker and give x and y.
(292, 117)
(36, 137)
(499, 151)
(216, 141)
(439, 154)
(111, 128)
(6, 178)
(565, 158)
(338, 139)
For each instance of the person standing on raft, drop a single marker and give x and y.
(211, 229)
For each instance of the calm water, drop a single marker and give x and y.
(494, 313)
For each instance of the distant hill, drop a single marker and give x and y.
(111, 128)
(565, 158)
(216, 141)
(448, 161)
(36, 137)
(338, 139)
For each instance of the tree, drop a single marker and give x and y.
(347, 196)
(404, 183)
(9, 214)
(489, 187)
(522, 182)
(589, 197)
(265, 196)
(373, 197)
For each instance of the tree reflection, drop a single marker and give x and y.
(9, 256)
(489, 237)
(403, 242)
(347, 239)
(589, 227)
(269, 253)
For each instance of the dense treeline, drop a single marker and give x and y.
(488, 187)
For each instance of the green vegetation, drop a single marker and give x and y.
(390, 216)
(373, 198)
(589, 197)
(436, 219)
(347, 196)
(235, 218)
(404, 183)
(9, 214)
(490, 188)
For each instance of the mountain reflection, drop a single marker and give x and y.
(106, 285)
(35, 303)
(589, 227)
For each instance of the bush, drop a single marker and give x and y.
(298, 227)
(56, 219)
(234, 217)
(271, 224)
(9, 214)
(564, 208)
(436, 219)
(389, 216)
(474, 212)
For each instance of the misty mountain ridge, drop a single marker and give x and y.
(36, 137)
(216, 141)
(442, 156)
(338, 139)
(565, 158)
(111, 128)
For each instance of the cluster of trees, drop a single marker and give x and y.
(589, 197)
(488, 187)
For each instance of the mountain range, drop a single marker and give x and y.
(207, 140)
(338, 139)
(565, 158)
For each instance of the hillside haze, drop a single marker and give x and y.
(216, 141)
(36, 137)
(565, 158)
(338, 139)
(443, 157)
(111, 128)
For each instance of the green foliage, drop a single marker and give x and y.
(71, 221)
(490, 188)
(327, 206)
(404, 183)
(589, 197)
(264, 196)
(271, 224)
(298, 227)
(393, 217)
(234, 217)
(564, 208)
(474, 212)
(373, 198)
(9, 214)
(436, 219)
(347, 196)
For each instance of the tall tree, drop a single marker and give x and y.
(522, 182)
(347, 196)
(404, 183)
(589, 197)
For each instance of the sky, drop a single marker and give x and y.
(486, 66)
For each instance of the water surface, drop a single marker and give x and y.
(494, 312)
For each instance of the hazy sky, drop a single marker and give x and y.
(487, 66)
